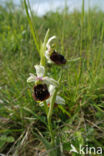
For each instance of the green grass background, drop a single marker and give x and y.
(81, 121)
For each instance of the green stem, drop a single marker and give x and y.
(46, 107)
(82, 34)
(49, 116)
(31, 27)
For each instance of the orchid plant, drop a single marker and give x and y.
(46, 89)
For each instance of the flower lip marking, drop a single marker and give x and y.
(57, 58)
(39, 78)
(41, 92)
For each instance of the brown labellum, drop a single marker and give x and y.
(57, 58)
(41, 92)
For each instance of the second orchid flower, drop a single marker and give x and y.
(41, 92)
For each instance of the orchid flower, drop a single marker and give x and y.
(52, 56)
(41, 92)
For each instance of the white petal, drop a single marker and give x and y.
(41, 104)
(48, 80)
(32, 78)
(47, 55)
(40, 70)
(1, 101)
(60, 100)
(51, 89)
(48, 42)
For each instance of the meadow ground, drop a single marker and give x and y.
(81, 120)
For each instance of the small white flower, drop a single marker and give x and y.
(40, 71)
(47, 52)
(59, 99)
